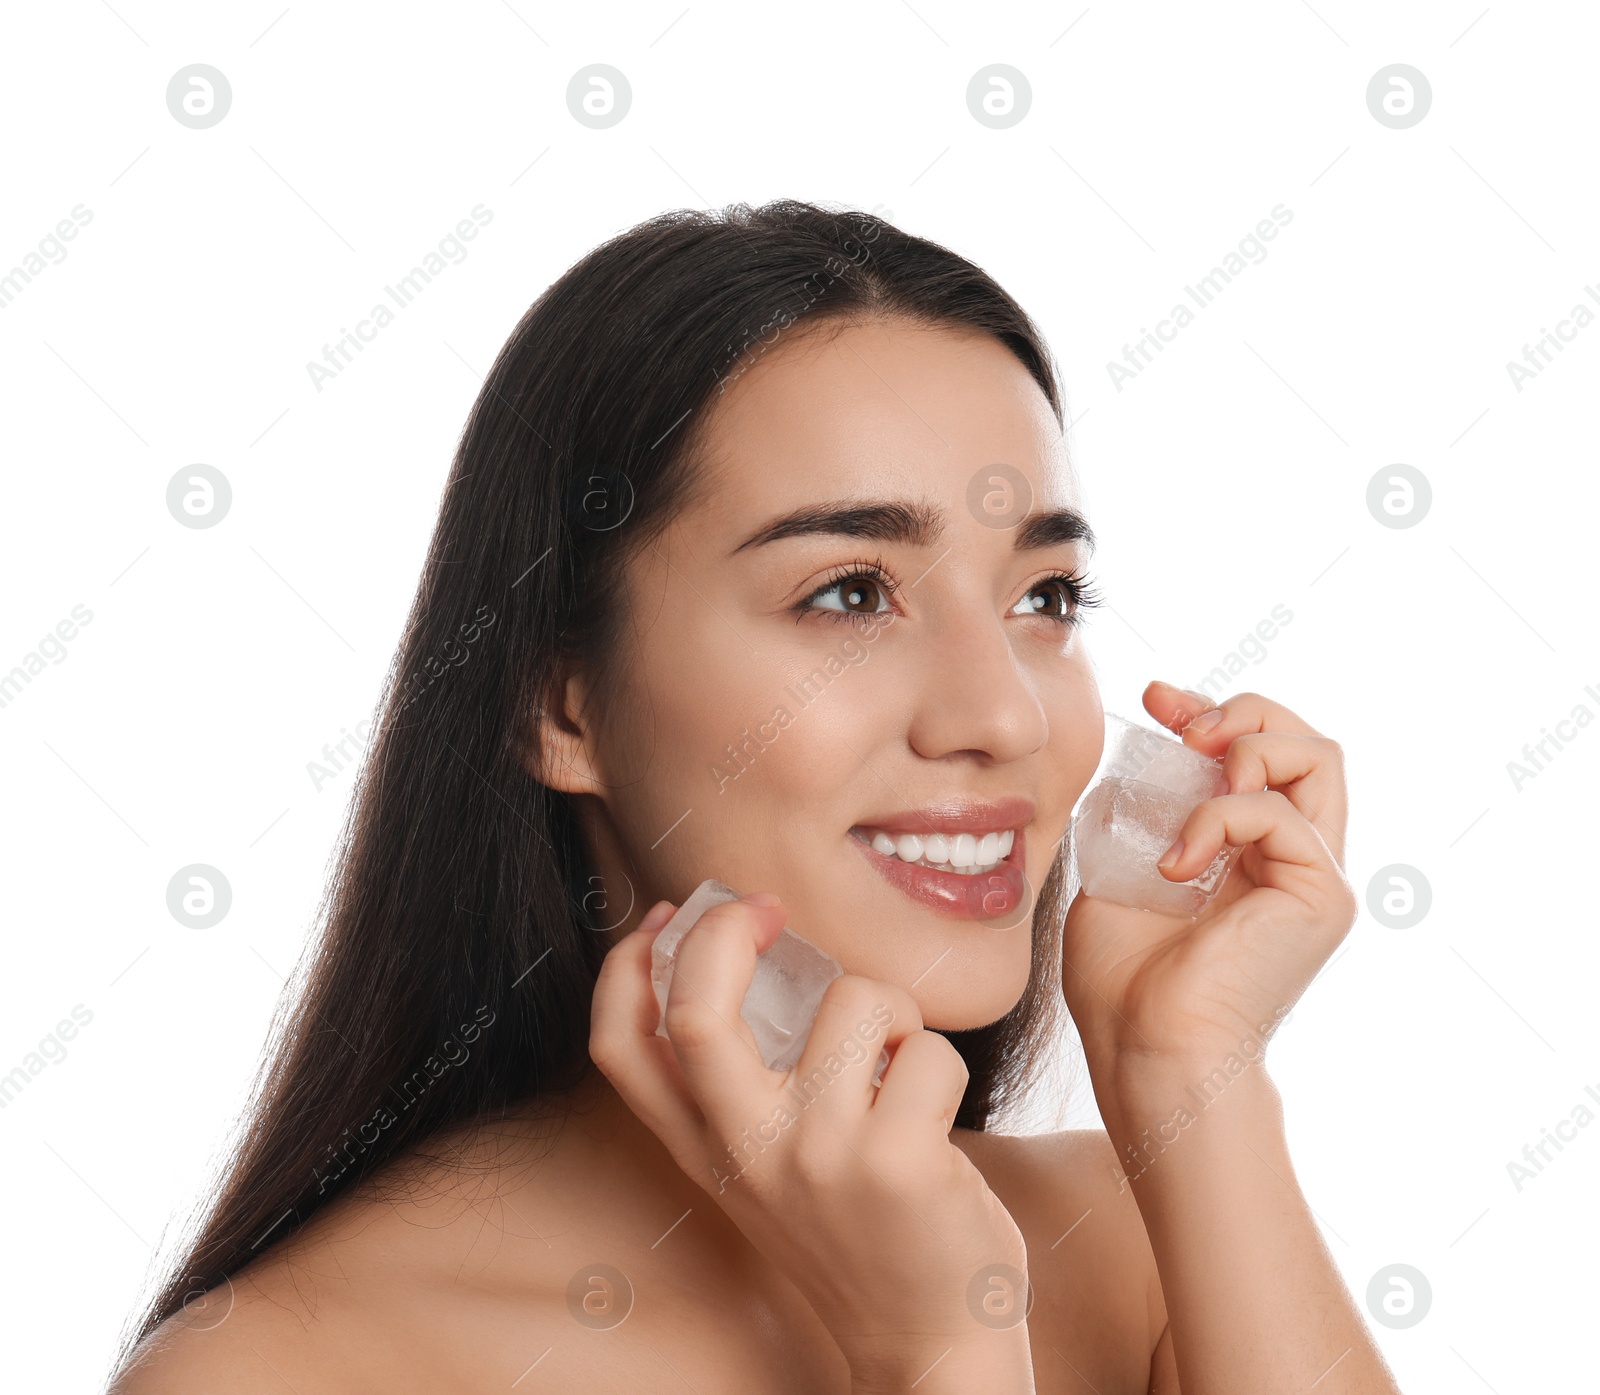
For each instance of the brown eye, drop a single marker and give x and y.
(858, 595)
(1050, 598)
(861, 596)
(1060, 598)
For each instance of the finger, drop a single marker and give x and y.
(656, 917)
(1212, 728)
(1174, 707)
(1239, 714)
(924, 1085)
(1279, 831)
(625, 1049)
(857, 1018)
(621, 1012)
(715, 1048)
(1308, 769)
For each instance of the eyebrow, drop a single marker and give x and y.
(914, 524)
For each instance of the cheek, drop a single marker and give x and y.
(777, 732)
(741, 755)
(1077, 734)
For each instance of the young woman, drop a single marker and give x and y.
(762, 560)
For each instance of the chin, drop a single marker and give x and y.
(969, 1008)
(964, 1022)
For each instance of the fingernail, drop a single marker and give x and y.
(658, 915)
(1172, 854)
(760, 898)
(1206, 720)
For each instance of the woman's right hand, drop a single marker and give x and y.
(854, 1192)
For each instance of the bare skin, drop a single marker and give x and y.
(830, 1266)
(465, 1287)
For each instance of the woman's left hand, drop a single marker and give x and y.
(1152, 992)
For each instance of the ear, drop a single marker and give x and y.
(559, 750)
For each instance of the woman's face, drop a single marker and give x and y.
(782, 701)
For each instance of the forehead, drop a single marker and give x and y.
(887, 407)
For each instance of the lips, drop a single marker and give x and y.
(957, 816)
(982, 896)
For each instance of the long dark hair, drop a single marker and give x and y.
(454, 973)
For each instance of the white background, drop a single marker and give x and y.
(1229, 477)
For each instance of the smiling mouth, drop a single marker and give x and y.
(964, 854)
(966, 884)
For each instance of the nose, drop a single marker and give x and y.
(974, 696)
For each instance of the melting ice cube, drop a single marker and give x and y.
(785, 991)
(1149, 784)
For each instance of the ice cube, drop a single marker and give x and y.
(1137, 752)
(1149, 784)
(785, 992)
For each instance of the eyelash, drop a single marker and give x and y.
(1080, 588)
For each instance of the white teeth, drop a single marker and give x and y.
(964, 853)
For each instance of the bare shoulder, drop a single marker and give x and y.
(250, 1335)
(1096, 1291)
(356, 1301)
